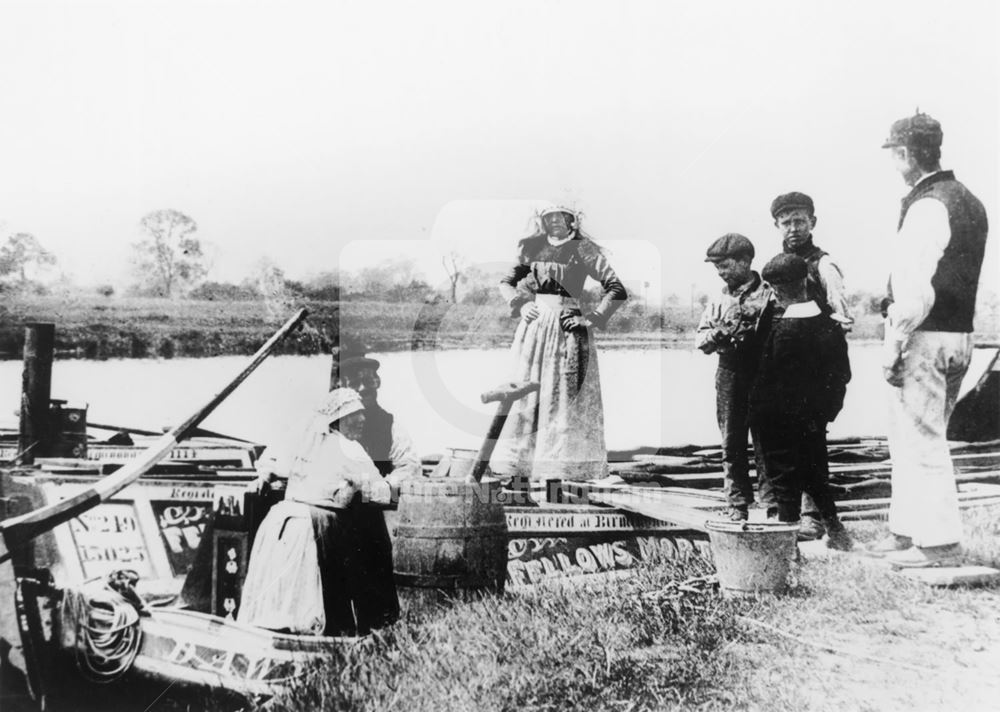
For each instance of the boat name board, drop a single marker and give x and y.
(577, 521)
(104, 453)
(109, 537)
(122, 454)
(147, 523)
(533, 560)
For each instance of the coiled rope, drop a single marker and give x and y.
(105, 631)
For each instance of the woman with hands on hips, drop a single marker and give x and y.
(558, 432)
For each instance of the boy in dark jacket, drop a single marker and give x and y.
(798, 389)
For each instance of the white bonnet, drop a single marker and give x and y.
(338, 403)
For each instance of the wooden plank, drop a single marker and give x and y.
(691, 507)
(969, 467)
(649, 505)
(947, 577)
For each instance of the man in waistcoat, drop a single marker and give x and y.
(390, 448)
(794, 215)
(936, 260)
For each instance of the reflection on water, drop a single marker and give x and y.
(651, 397)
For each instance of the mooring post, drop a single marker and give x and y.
(36, 389)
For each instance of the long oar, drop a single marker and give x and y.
(21, 529)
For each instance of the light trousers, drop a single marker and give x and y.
(924, 503)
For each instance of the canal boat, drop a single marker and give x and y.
(144, 584)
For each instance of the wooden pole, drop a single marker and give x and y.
(36, 390)
(506, 394)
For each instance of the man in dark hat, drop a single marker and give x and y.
(798, 388)
(727, 327)
(390, 448)
(794, 215)
(936, 261)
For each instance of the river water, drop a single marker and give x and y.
(651, 396)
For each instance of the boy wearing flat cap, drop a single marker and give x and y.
(795, 217)
(728, 327)
(798, 389)
(936, 261)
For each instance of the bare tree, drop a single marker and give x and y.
(171, 255)
(455, 267)
(21, 250)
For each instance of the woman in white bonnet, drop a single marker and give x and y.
(308, 567)
(558, 432)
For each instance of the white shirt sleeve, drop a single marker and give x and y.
(836, 294)
(405, 463)
(358, 469)
(917, 250)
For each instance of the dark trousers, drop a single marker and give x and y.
(355, 563)
(796, 464)
(376, 602)
(337, 568)
(732, 387)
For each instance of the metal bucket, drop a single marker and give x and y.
(752, 558)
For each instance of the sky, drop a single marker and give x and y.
(326, 135)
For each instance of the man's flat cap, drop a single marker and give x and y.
(918, 130)
(791, 201)
(784, 268)
(732, 244)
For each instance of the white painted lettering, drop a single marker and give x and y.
(622, 555)
(586, 560)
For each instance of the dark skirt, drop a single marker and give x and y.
(355, 563)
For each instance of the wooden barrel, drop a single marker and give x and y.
(452, 535)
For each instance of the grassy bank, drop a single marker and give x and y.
(864, 639)
(97, 327)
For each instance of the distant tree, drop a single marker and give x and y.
(171, 256)
(378, 281)
(268, 280)
(454, 266)
(105, 290)
(223, 292)
(416, 291)
(19, 252)
(481, 286)
(323, 287)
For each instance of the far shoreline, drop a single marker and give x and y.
(98, 328)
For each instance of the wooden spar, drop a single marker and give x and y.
(19, 530)
(506, 395)
(645, 501)
(36, 389)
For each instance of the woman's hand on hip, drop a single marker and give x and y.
(574, 322)
(530, 311)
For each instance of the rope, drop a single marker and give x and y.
(106, 632)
